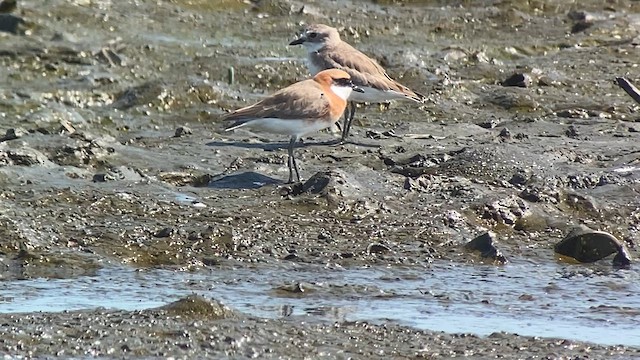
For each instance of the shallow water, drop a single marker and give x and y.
(546, 300)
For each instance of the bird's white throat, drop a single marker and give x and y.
(313, 46)
(342, 91)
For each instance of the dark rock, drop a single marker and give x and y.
(572, 132)
(586, 245)
(12, 24)
(372, 134)
(489, 124)
(484, 244)
(23, 157)
(182, 131)
(333, 185)
(101, 177)
(375, 248)
(581, 26)
(519, 80)
(291, 257)
(505, 133)
(164, 233)
(521, 177)
(12, 134)
(578, 15)
(413, 166)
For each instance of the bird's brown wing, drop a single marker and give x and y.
(363, 70)
(302, 100)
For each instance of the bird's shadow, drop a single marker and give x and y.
(244, 180)
(273, 146)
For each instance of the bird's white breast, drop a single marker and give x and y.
(343, 92)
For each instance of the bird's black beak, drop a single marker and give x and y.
(298, 41)
(357, 88)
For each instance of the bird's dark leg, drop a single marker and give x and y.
(348, 119)
(291, 161)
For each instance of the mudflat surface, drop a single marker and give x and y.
(121, 193)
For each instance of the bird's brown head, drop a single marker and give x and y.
(338, 81)
(316, 36)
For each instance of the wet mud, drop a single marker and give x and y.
(111, 154)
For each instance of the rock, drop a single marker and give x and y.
(101, 177)
(165, 233)
(520, 177)
(414, 166)
(198, 307)
(12, 24)
(454, 219)
(56, 119)
(581, 26)
(490, 124)
(573, 114)
(182, 130)
(375, 248)
(572, 132)
(534, 193)
(24, 156)
(140, 95)
(186, 178)
(519, 80)
(12, 134)
(512, 99)
(507, 210)
(586, 245)
(334, 184)
(484, 244)
(295, 289)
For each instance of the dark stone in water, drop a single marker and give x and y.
(484, 244)
(586, 246)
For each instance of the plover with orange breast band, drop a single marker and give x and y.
(299, 109)
(325, 50)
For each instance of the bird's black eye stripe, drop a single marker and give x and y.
(343, 82)
(312, 35)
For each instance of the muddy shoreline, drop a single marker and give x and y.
(112, 155)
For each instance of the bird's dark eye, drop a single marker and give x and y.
(343, 82)
(312, 35)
